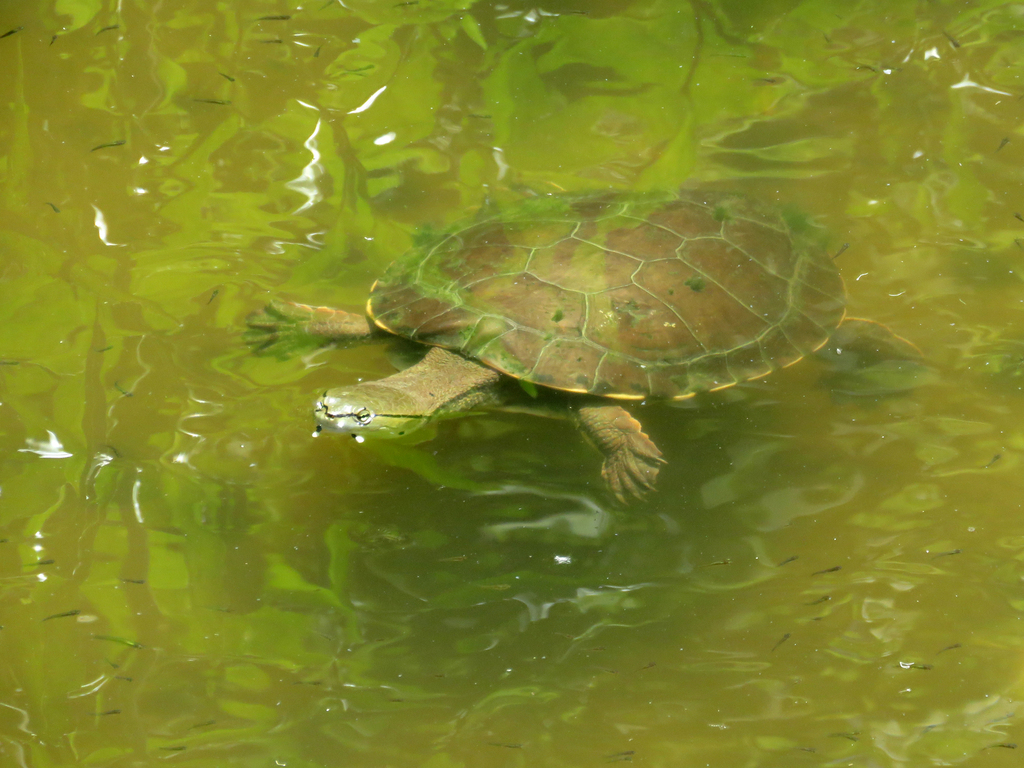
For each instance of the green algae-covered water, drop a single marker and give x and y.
(831, 570)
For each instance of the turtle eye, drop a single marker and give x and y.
(363, 416)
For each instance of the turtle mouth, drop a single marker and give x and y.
(342, 417)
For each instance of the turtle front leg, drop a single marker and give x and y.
(289, 322)
(631, 459)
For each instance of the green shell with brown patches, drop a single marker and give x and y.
(619, 296)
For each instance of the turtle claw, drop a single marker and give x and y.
(278, 325)
(631, 459)
(289, 326)
(631, 472)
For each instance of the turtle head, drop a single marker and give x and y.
(362, 411)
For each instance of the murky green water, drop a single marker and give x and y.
(830, 573)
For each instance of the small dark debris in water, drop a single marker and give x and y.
(783, 639)
(118, 143)
(219, 102)
(202, 725)
(951, 647)
(952, 40)
(41, 562)
(946, 554)
(282, 17)
(1003, 143)
(64, 615)
(506, 746)
(122, 390)
(213, 295)
(822, 599)
(55, 208)
(852, 735)
(229, 78)
(107, 29)
(1018, 217)
(1005, 745)
(995, 458)
(110, 712)
(841, 251)
(10, 32)
(833, 569)
(788, 560)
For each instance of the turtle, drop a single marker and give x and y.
(607, 296)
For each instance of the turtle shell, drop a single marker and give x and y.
(617, 295)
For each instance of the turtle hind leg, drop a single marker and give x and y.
(631, 459)
(870, 338)
(288, 326)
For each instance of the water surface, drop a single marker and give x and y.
(830, 572)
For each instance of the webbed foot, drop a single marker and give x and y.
(631, 459)
(288, 325)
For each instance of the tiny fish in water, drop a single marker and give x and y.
(64, 615)
(833, 569)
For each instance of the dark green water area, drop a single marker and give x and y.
(831, 571)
